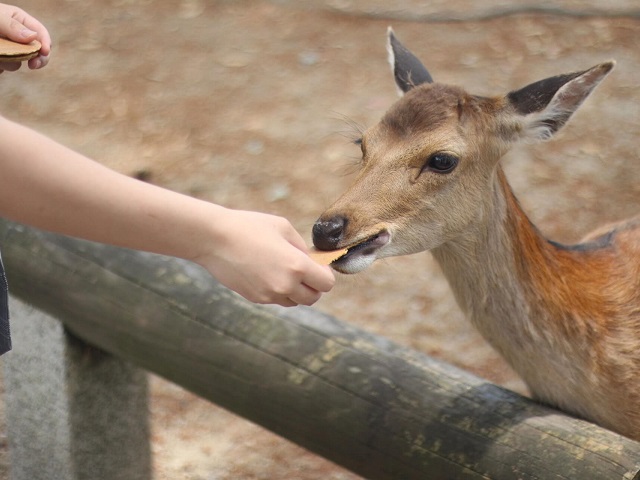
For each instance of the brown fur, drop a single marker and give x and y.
(588, 295)
(566, 318)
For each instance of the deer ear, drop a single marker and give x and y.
(548, 104)
(408, 71)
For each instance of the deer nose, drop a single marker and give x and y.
(328, 233)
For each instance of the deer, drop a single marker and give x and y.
(565, 317)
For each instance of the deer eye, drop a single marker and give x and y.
(360, 143)
(441, 163)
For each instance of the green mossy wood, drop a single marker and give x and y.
(378, 409)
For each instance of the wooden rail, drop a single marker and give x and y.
(378, 409)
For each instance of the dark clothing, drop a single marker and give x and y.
(5, 334)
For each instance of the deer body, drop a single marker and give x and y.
(556, 314)
(567, 319)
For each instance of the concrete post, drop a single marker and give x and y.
(73, 411)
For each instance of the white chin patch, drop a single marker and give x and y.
(354, 265)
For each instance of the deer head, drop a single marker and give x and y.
(428, 166)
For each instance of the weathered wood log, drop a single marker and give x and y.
(72, 411)
(378, 409)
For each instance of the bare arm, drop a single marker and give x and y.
(47, 185)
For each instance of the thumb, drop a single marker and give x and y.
(16, 31)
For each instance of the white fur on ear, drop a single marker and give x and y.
(542, 124)
(408, 71)
(391, 57)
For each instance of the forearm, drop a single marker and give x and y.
(79, 197)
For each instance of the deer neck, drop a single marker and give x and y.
(498, 271)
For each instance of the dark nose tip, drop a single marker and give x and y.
(328, 233)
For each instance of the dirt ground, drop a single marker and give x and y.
(253, 105)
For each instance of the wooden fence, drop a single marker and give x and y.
(376, 408)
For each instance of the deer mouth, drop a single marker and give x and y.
(361, 255)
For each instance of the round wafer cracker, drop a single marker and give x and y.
(18, 52)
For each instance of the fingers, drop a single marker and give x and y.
(13, 29)
(317, 280)
(318, 277)
(38, 62)
(291, 289)
(314, 279)
(19, 26)
(9, 66)
(42, 34)
(303, 295)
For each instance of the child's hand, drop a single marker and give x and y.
(19, 26)
(265, 260)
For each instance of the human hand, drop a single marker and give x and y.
(264, 259)
(19, 26)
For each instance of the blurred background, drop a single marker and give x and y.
(254, 105)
